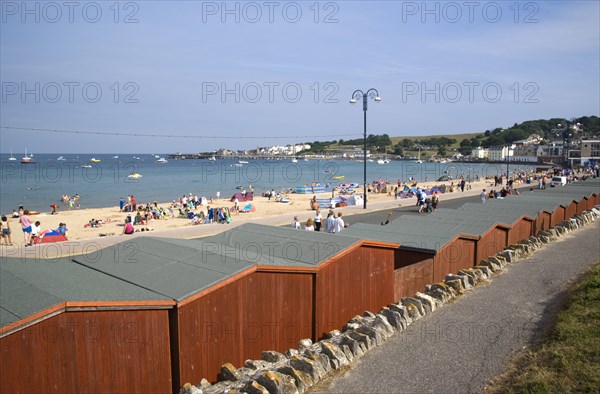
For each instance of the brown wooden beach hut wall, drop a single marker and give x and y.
(226, 311)
(421, 258)
(351, 283)
(350, 276)
(66, 328)
(235, 301)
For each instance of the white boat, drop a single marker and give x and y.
(383, 161)
(242, 162)
(86, 166)
(238, 165)
(134, 175)
(26, 159)
(294, 161)
(116, 157)
(94, 160)
(61, 158)
(162, 160)
(212, 158)
(12, 158)
(305, 159)
(370, 161)
(419, 161)
(156, 156)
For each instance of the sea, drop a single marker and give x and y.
(37, 185)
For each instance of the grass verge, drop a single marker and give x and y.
(569, 359)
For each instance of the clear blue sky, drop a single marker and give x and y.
(166, 70)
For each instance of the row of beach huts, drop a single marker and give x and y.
(150, 314)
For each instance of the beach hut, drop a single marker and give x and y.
(424, 254)
(252, 288)
(68, 328)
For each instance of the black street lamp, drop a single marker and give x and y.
(507, 163)
(565, 135)
(374, 94)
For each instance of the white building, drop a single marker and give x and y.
(500, 153)
(480, 153)
(590, 151)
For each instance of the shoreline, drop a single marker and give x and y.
(85, 240)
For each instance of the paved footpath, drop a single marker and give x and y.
(460, 347)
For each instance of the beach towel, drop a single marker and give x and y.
(248, 208)
(49, 236)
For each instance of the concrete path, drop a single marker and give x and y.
(460, 347)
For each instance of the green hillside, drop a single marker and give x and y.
(457, 137)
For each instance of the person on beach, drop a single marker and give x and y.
(296, 223)
(314, 205)
(15, 214)
(483, 196)
(133, 204)
(35, 230)
(62, 229)
(329, 222)
(435, 200)
(317, 219)
(338, 224)
(310, 225)
(54, 207)
(5, 230)
(121, 204)
(128, 228)
(26, 227)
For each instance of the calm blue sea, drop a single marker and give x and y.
(37, 185)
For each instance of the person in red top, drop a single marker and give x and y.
(26, 227)
(133, 204)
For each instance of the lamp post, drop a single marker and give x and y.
(507, 162)
(565, 135)
(374, 94)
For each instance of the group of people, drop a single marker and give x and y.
(427, 204)
(72, 202)
(31, 230)
(334, 223)
(213, 215)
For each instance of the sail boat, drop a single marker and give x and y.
(26, 159)
(419, 161)
(12, 158)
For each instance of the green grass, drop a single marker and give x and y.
(569, 359)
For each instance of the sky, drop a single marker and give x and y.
(203, 75)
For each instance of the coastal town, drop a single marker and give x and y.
(572, 145)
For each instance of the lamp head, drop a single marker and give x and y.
(352, 101)
(377, 99)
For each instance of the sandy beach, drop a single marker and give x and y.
(299, 205)
(82, 238)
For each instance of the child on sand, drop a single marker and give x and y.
(5, 230)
